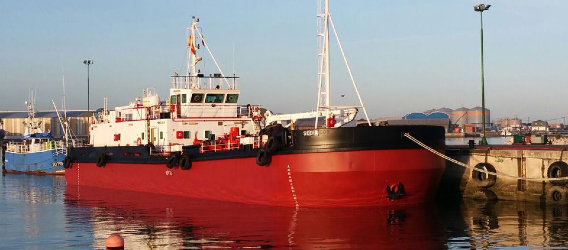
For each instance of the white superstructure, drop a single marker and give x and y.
(199, 108)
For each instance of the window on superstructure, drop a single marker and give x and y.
(196, 98)
(214, 98)
(183, 98)
(173, 99)
(142, 136)
(161, 135)
(232, 98)
(186, 134)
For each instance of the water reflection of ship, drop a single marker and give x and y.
(30, 213)
(156, 221)
(496, 224)
(34, 189)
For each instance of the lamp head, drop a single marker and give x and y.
(481, 7)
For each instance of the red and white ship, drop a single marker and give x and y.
(202, 144)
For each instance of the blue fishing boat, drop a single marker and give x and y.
(38, 152)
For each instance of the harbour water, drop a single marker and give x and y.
(41, 212)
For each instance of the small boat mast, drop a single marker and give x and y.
(31, 125)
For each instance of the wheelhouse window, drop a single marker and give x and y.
(232, 98)
(174, 99)
(214, 98)
(197, 98)
(183, 98)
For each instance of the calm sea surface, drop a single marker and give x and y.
(41, 212)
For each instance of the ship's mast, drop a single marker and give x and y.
(325, 22)
(323, 55)
(192, 58)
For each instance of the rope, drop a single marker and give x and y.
(407, 135)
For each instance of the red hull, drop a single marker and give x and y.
(331, 179)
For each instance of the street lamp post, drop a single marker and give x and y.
(88, 63)
(480, 8)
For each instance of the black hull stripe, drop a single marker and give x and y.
(304, 142)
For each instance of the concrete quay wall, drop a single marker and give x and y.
(526, 162)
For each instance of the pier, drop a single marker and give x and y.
(534, 173)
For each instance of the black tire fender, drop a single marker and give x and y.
(185, 162)
(173, 161)
(556, 170)
(557, 195)
(272, 145)
(481, 179)
(67, 162)
(263, 158)
(101, 161)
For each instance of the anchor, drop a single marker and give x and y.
(395, 192)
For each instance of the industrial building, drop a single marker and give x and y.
(459, 120)
(470, 120)
(539, 126)
(12, 122)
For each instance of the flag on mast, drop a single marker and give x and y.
(190, 44)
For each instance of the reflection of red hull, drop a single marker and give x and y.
(330, 179)
(176, 222)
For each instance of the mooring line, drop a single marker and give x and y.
(407, 135)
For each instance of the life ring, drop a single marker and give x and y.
(185, 162)
(481, 179)
(263, 158)
(272, 145)
(557, 195)
(67, 162)
(101, 161)
(138, 141)
(557, 170)
(173, 161)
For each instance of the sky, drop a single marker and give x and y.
(406, 56)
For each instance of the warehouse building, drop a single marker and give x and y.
(12, 122)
